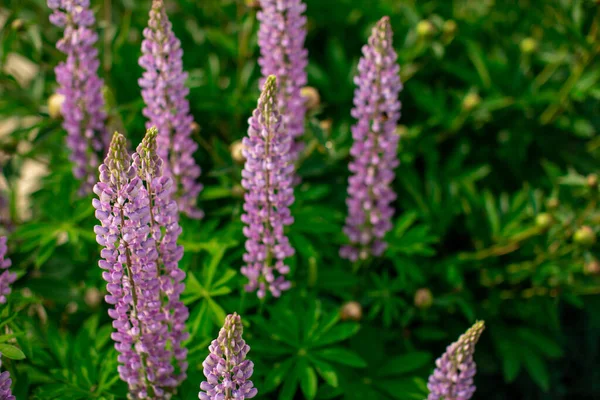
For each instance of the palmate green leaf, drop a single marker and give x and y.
(290, 386)
(404, 388)
(277, 374)
(511, 364)
(308, 378)
(540, 342)
(404, 363)
(326, 371)
(336, 334)
(536, 367)
(10, 351)
(340, 355)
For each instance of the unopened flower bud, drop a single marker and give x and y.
(585, 236)
(543, 220)
(55, 103)
(423, 298)
(92, 297)
(326, 125)
(401, 130)
(552, 203)
(195, 127)
(17, 24)
(351, 310)
(592, 268)
(471, 101)
(237, 149)
(311, 96)
(425, 28)
(449, 27)
(528, 45)
(592, 180)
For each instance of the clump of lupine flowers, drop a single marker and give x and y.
(267, 178)
(452, 378)
(281, 39)
(139, 230)
(83, 107)
(164, 92)
(377, 110)
(6, 277)
(226, 368)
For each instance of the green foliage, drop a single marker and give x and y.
(497, 209)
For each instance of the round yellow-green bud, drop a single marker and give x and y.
(449, 27)
(471, 101)
(17, 24)
(238, 191)
(351, 311)
(543, 220)
(326, 125)
(252, 3)
(423, 298)
(237, 152)
(425, 28)
(585, 236)
(528, 45)
(401, 130)
(55, 102)
(592, 180)
(311, 96)
(552, 203)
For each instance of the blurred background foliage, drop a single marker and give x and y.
(497, 201)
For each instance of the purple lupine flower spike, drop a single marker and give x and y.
(83, 107)
(7, 278)
(374, 158)
(281, 39)
(226, 368)
(165, 230)
(167, 108)
(140, 258)
(452, 378)
(267, 178)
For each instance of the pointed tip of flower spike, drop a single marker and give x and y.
(149, 141)
(118, 148)
(466, 342)
(382, 34)
(268, 97)
(148, 162)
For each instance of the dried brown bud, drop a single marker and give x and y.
(585, 236)
(471, 101)
(592, 268)
(592, 180)
(351, 310)
(195, 127)
(312, 99)
(423, 298)
(237, 151)
(55, 103)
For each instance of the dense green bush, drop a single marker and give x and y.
(496, 210)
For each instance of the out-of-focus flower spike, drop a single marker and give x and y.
(374, 158)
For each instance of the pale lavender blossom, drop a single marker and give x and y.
(139, 229)
(281, 39)
(226, 368)
(7, 278)
(374, 158)
(5, 382)
(167, 108)
(83, 107)
(267, 178)
(453, 376)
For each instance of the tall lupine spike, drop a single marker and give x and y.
(377, 110)
(226, 368)
(267, 178)
(452, 378)
(281, 39)
(164, 92)
(83, 107)
(165, 229)
(6, 279)
(141, 268)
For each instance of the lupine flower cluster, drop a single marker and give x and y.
(139, 230)
(452, 378)
(6, 279)
(267, 178)
(226, 368)
(281, 39)
(377, 110)
(164, 92)
(83, 107)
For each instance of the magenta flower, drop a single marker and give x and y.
(139, 229)
(281, 39)
(267, 178)
(377, 110)
(83, 107)
(7, 278)
(452, 378)
(164, 92)
(226, 368)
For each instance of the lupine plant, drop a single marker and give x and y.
(167, 108)
(374, 151)
(140, 258)
(80, 87)
(226, 368)
(6, 279)
(482, 206)
(267, 178)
